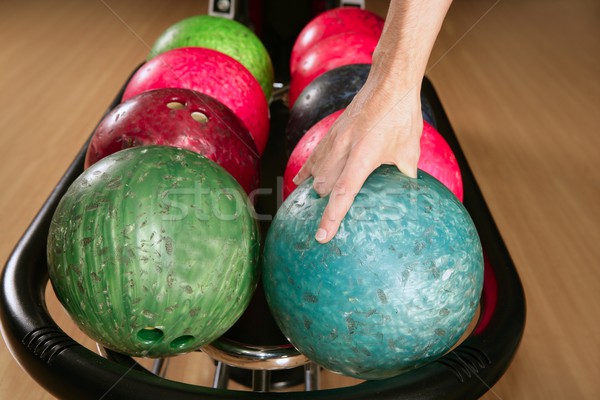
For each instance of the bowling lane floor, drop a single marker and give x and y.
(519, 82)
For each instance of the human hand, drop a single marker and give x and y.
(382, 125)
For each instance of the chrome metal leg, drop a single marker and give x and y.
(101, 350)
(221, 378)
(261, 380)
(160, 366)
(312, 377)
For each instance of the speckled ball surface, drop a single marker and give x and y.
(224, 35)
(210, 72)
(333, 22)
(333, 52)
(153, 251)
(179, 118)
(393, 290)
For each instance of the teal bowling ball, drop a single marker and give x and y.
(395, 289)
(153, 251)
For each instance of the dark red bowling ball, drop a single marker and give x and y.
(179, 118)
(437, 158)
(213, 73)
(332, 22)
(332, 52)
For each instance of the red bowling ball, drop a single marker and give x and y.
(179, 118)
(332, 22)
(437, 158)
(304, 148)
(210, 72)
(332, 52)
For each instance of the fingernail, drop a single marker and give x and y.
(295, 180)
(321, 234)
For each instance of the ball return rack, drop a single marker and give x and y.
(254, 352)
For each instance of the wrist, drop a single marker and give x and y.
(393, 86)
(398, 66)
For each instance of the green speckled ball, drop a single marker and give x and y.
(153, 251)
(225, 35)
(393, 290)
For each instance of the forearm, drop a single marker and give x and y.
(408, 36)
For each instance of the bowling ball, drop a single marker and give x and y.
(153, 251)
(427, 111)
(224, 35)
(395, 289)
(213, 73)
(332, 91)
(304, 149)
(332, 22)
(332, 52)
(179, 118)
(436, 157)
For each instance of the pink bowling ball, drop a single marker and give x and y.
(333, 22)
(213, 73)
(304, 148)
(332, 52)
(437, 158)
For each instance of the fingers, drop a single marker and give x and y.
(328, 173)
(408, 164)
(307, 169)
(348, 154)
(326, 163)
(357, 170)
(409, 170)
(407, 159)
(304, 173)
(361, 162)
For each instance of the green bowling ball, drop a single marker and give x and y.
(153, 251)
(224, 35)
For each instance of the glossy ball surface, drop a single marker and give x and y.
(222, 34)
(393, 290)
(179, 118)
(438, 159)
(436, 156)
(332, 52)
(210, 72)
(330, 92)
(304, 149)
(153, 251)
(332, 22)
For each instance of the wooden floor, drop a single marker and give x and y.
(520, 81)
